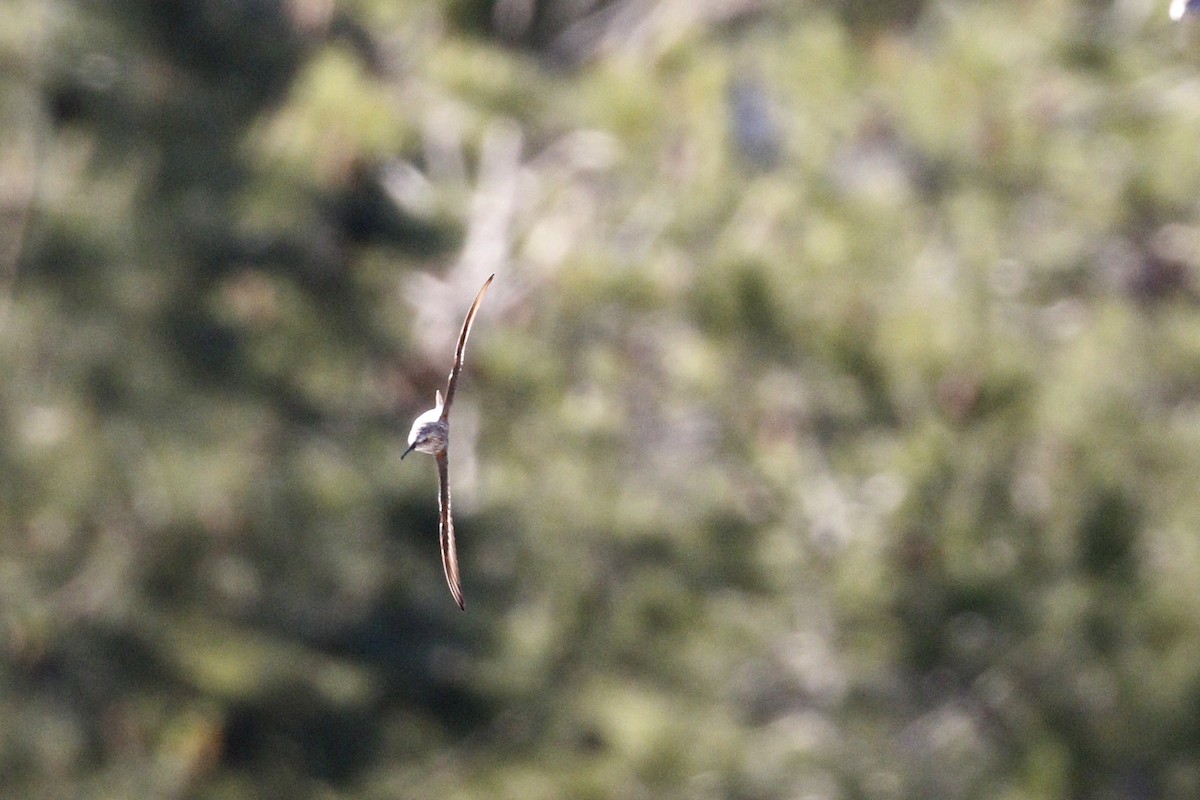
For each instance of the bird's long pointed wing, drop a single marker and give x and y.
(462, 345)
(446, 532)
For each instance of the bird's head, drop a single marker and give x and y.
(1180, 8)
(429, 433)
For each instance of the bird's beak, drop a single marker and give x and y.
(409, 450)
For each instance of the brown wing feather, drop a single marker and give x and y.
(462, 345)
(446, 532)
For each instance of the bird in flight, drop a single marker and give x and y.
(431, 434)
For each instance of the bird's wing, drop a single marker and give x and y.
(446, 531)
(462, 345)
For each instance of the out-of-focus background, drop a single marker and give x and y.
(831, 430)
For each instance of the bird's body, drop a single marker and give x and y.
(431, 434)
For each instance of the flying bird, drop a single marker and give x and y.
(431, 434)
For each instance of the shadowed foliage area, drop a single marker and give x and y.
(831, 428)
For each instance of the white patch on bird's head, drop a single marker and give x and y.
(428, 418)
(1181, 7)
(430, 433)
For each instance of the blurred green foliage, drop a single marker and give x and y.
(832, 429)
